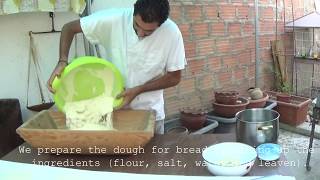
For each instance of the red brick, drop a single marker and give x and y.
(190, 49)
(223, 46)
(205, 47)
(229, 61)
(267, 13)
(265, 41)
(281, 29)
(172, 106)
(176, 12)
(244, 57)
(266, 55)
(240, 73)
(248, 29)
(214, 63)
(192, 100)
(227, 11)
(267, 27)
(170, 92)
(200, 30)
(218, 28)
(196, 67)
(253, 55)
(207, 82)
(224, 77)
(234, 29)
(193, 12)
(211, 11)
(264, 2)
(252, 70)
(238, 44)
(250, 42)
(187, 86)
(236, 1)
(268, 80)
(243, 12)
(185, 30)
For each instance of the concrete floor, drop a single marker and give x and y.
(296, 150)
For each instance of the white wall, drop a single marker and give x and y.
(14, 53)
(14, 50)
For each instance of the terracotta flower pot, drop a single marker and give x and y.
(229, 111)
(193, 119)
(283, 97)
(226, 97)
(259, 103)
(293, 113)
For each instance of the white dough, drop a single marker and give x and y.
(88, 114)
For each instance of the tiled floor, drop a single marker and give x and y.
(296, 149)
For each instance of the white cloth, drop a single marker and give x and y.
(139, 61)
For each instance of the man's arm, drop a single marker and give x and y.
(168, 80)
(67, 33)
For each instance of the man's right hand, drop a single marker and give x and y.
(56, 73)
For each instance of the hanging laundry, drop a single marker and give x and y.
(17, 6)
(11, 6)
(46, 5)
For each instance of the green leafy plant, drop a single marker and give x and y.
(285, 88)
(281, 86)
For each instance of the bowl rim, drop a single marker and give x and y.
(82, 61)
(231, 166)
(250, 147)
(244, 102)
(257, 109)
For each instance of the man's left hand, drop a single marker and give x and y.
(128, 95)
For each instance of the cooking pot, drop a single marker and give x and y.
(257, 126)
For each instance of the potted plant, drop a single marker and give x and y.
(292, 109)
(284, 91)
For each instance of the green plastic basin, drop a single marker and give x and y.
(87, 77)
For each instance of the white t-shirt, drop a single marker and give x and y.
(139, 61)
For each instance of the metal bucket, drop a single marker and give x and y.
(257, 126)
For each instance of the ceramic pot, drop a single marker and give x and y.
(259, 103)
(226, 97)
(230, 111)
(193, 119)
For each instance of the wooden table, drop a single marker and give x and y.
(162, 155)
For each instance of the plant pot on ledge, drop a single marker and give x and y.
(229, 111)
(226, 97)
(293, 112)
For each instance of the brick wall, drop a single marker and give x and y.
(219, 39)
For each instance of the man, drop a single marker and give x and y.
(142, 42)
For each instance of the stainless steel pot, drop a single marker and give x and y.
(257, 126)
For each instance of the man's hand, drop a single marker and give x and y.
(56, 73)
(128, 95)
(67, 33)
(168, 80)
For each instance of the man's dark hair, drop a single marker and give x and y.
(152, 10)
